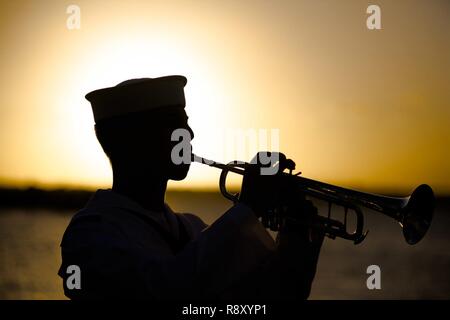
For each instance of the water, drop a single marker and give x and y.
(30, 257)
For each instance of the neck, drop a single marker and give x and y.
(148, 191)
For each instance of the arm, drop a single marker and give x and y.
(225, 251)
(287, 274)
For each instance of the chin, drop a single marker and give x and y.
(179, 172)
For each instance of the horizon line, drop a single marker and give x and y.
(30, 184)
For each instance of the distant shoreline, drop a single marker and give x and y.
(77, 198)
(58, 198)
(40, 198)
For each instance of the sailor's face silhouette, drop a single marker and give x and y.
(141, 144)
(180, 171)
(157, 154)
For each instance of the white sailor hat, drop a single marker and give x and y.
(137, 95)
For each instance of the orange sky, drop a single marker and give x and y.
(354, 107)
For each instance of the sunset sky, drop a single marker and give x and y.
(355, 107)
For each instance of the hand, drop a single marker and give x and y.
(299, 247)
(298, 244)
(261, 191)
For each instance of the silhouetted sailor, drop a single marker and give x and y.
(127, 241)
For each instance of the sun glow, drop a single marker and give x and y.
(349, 108)
(136, 57)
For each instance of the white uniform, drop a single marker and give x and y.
(125, 251)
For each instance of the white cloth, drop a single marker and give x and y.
(137, 95)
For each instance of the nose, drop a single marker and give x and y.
(191, 132)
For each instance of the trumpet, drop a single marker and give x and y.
(414, 212)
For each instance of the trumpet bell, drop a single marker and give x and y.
(417, 214)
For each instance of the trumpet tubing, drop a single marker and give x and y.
(414, 213)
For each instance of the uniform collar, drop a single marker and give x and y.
(107, 198)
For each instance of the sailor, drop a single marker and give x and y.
(128, 243)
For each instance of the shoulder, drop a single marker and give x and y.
(194, 219)
(88, 227)
(193, 223)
